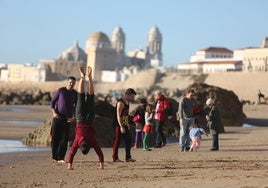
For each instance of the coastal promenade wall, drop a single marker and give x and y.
(245, 85)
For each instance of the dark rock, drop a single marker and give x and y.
(104, 109)
(103, 123)
(230, 107)
(18, 97)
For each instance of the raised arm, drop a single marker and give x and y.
(90, 82)
(72, 153)
(81, 87)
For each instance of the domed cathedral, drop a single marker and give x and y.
(100, 54)
(66, 64)
(107, 57)
(154, 48)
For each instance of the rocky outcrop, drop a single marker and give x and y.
(228, 103)
(40, 136)
(103, 123)
(230, 107)
(29, 97)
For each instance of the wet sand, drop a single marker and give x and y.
(241, 162)
(23, 113)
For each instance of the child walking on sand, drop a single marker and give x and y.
(148, 127)
(85, 136)
(139, 121)
(195, 135)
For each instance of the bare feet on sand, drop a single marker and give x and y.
(101, 167)
(61, 161)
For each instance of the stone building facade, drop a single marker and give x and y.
(215, 59)
(66, 64)
(106, 54)
(255, 58)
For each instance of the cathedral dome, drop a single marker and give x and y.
(98, 40)
(99, 36)
(75, 53)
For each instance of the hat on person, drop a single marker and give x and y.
(210, 102)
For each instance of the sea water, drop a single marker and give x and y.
(11, 146)
(22, 122)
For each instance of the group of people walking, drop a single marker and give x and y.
(69, 105)
(189, 130)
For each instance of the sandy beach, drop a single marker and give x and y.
(24, 113)
(241, 162)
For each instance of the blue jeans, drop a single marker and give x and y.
(184, 132)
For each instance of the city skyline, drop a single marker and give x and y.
(35, 30)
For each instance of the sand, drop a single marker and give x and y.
(241, 162)
(37, 114)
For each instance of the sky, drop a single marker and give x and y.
(32, 30)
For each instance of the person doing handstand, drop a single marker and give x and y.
(85, 136)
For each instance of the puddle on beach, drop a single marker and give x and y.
(246, 125)
(14, 146)
(16, 122)
(8, 109)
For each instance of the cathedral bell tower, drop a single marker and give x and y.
(154, 48)
(118, 41)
